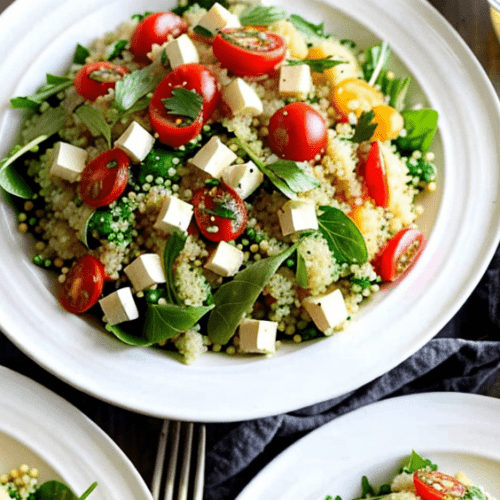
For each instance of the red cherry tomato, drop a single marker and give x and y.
(155, 28)
(83, 285)
(219, 212)
(173, 130)
(433, 485)
(297, 132)
(105, 178)
(376, 177)
(248, 51)
(400, 252)
(95, 79)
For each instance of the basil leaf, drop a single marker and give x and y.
(365, 127)
(236, 297)
(167, 321)
(420, 126)
(416, 462)
(118, 47)
(318, 65)
(306, 28)
(81, 54)
(301, 271)
(135, 85)
(54, 490)
(375, 59)
(95, 121)
(202, 31)
(121, 333)
(262, 15)
(47, 123)
(295, 178)
(54, 85)
(342, 235)
(184, 102)
(174, 246)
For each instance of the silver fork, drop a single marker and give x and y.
(179, 436)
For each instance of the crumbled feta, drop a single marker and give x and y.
(297, 215)
(181, 50)
(68, 161)
(244, 179)
(258, 336)
(119, 306)
(136, 142)
(217, 18)
(174, 214)
(327, 311)
(242, 98)
(145, 271)
(295, 81)
(225, 260)
(214, 157)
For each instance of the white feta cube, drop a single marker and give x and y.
(244, 179)
(242, 98)
(145, 271)
(181, 50)
(68, 161)
(136, 142)
(213, 157)
(327, 311)
(295, 81)
(119, 306)
(174, 214)
(258, 336)
(226, 260)
(217, 18)
(297, 215)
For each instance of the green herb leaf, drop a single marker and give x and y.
(417, 462)
(174, 246)
(262, 15)
(54, 84)
(81, 54)
(306, 28)
(95, 121)
(47, 123)
(295, 177)
(167, 321)
(342, 235)
(184, 5)
(420, 126)
(475, 493)
(116, 50)
(55, 490)
(202, 31)
(365, 127)
(375, 59)
(422, 170)
(395, 88)
(135, 85)
(301, 271)
(236, 297)
(121, 332)
(184, 102)
(140, 17)
(317, 65)
(88, 491)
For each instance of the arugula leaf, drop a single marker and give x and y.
(262, 15)
(81, 54)
(395, 88)
(135, 85)
(167, 321)
(420, 126)
(416, 462)
(54, 84)
(47, 123)
(95, 121)
(317, 65)
(375, 59)
(366, 488)
(307, 28)
(365, 127)
(55, 490)
(236, 297)
(342, 235)
(184, 102)
(174, 246)
(301, 271)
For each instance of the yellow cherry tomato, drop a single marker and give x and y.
(389, 123)
(354, 95)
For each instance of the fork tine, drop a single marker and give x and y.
(160, 461)
(172, 463)
(186, 462)
(199, 478)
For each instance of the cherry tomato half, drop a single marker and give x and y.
(172, 130)
(248, 51)
(297, 132)
(95, 79)
(83, 285)
(433, 485)
(155, 28)
(376, 177)
(219, 212)
(400, 252)
(105, 178)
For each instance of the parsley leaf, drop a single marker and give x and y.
(135, 85)
(365, 127)
(318, 65)
(95, 121)
(184, 102)
(262, 15)
(54, 84)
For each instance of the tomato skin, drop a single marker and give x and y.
(248, 51)
(105, 178)
(90, 88)
(297, 132)
(375, 176)
(407, 240)
(449, 487)
(209, 198)
(83, 285)
(155, 28)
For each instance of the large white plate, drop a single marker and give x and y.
(457, 431)
(461, 223)
(41, 429)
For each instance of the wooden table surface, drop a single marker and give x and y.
(137, 434)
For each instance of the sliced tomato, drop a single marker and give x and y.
(249, 51)
(155, 28)
(433, 485)
(219, 212)
(376, 177)
(95, 79)
(400, 252)
(105, 178)
(83, 285)
(297, 132)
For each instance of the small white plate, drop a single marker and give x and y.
(457, 431)
(41, 429)
(461, 223)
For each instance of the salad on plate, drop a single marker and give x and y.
(222, 177)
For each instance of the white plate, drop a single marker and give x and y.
(457, 431)
(389, 329)
(41, 429)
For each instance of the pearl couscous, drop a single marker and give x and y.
(223, 178)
